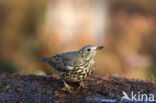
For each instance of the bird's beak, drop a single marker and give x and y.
(99, 47)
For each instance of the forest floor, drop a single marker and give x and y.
(48, 89)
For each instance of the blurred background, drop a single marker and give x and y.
(127, 28)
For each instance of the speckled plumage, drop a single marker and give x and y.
(74, 66)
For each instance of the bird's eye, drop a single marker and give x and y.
(88, 49)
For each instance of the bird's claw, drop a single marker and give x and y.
(82, 85)
(67, 87)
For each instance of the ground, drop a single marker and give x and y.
(48, 89)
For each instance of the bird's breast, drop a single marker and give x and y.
(79, 72)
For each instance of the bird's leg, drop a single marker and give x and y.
(81, 85)
(67, 87)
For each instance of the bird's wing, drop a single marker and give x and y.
(66, 61)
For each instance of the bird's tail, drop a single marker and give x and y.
(44, 59)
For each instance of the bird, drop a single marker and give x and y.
(74, 66)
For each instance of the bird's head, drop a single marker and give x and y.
(90, 51)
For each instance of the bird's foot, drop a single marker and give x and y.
(81, 85)
(67, 87)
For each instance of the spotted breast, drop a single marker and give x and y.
(80, 72)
